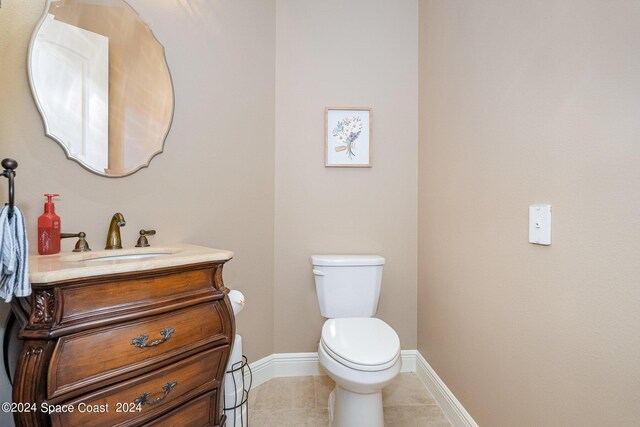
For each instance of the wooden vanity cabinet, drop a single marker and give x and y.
(137, 348)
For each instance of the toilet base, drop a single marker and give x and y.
(349, 409)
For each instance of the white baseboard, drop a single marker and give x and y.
(305, 364)
(284, 365)
(452, 408)
(408, 360)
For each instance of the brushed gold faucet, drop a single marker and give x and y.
(113, 235)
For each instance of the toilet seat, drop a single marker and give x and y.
(361, 343)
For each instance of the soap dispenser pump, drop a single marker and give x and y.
(49, 228)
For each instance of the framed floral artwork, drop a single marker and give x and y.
(347, 136)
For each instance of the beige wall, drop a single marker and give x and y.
(335, 53)
(212, 186)
(526, 102)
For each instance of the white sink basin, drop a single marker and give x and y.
(129, 256)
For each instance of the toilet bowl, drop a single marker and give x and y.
(362, 356)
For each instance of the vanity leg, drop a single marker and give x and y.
(30, 383)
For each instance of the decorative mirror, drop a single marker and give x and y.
(101, 82)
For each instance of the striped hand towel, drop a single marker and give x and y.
(14, 255)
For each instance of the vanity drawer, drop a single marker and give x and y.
(160, 392)
(82, 360)
(198, 413)
(104, 298)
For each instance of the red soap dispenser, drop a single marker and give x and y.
(49, 228)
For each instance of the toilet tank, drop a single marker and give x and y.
(347, 285)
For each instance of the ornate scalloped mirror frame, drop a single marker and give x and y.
(101, 82)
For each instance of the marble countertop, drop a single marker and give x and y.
(71, 265)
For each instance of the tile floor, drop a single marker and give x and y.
(302, 401)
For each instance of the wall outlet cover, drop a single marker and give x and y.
(540, 224)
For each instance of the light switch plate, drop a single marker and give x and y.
(540, 224)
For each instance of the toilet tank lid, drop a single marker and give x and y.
(346, 260)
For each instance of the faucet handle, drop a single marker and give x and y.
(81, 245)
(142, 240)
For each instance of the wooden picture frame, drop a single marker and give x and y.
(348, 137)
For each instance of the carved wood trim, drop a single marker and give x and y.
(43, 308)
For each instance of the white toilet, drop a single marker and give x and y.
(359, 352)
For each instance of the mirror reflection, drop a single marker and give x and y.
(101, 82)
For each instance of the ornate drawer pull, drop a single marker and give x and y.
(144, 399)
(140, 342)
